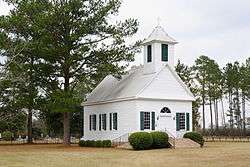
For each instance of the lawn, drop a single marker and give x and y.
(213, 154)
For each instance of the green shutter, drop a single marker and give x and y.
(110, 121)
(177, 121)
(100, 122)
(164, 52)
(149, 53)
(153, 120)
(187, 121)
(94, 122)
(90, 122)
(115, 121)
(142, 120)
(104, 121)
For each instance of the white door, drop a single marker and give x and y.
(166, 122)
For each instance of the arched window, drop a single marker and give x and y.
(165, 110)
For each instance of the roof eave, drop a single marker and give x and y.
(146, 42)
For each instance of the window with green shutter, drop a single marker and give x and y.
(142, 120)
(90, 123)
(164, 52)
(110, 121)
(115, 124)
(104, 121)
(93, 122)
(149, 53)
(153, 120)
(177, 122)
(100, 122)
(180, 121)
(187, 121)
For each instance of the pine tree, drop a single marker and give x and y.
(73, 42)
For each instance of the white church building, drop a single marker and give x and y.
(151, 97)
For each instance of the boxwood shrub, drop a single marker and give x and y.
(197, 137)
(7, 135)
(106, 143)
(93, 143)
(141, 140)
(99, 143)
(82, 143)
(160, 139)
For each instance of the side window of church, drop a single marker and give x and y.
(92, 122)
(146, 120)
(115, 121)
(180, 121)
(104, 121)
(164, 52)
(149, 53)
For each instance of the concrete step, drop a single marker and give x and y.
(186, 143)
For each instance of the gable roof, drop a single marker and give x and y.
(159, 34)
(132, 86)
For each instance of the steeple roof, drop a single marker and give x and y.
(158, 34)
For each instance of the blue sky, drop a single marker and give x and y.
(219, 29)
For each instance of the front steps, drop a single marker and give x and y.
(178, 143)
(186, 143)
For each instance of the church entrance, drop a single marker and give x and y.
(165, 121)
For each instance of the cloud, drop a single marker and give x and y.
(218, 29)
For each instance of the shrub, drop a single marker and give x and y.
(140, 140)
(197, 137)
(82, 143)
(7, 135)
(93, 143)
(106, 143)
(160, 139)
(99, 143)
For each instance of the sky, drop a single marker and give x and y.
(219, 29)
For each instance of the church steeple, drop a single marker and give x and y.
(158, 50)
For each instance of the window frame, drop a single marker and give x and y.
(182, 121)
(164, 49)
(147, 120)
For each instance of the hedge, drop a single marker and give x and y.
(141, 140)
(93, 143)
(197, 137)
(160, 139)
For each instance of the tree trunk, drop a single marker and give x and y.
(244, 113)
(29, 126)
(66, 128)
(211, 113)
(231, 111)
(217, 114)
(223, 113)
(203, 108)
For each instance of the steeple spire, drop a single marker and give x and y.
(158, 50)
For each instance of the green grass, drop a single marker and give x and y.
(213, 154)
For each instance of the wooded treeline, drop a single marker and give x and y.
(55, 52)
(213, 86)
